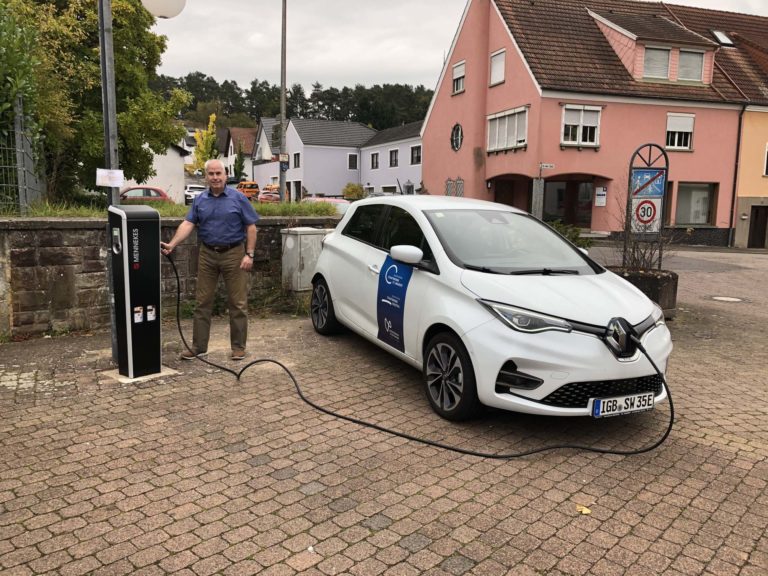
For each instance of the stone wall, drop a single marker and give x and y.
(53, 275)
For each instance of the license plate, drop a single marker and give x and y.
(603, 407)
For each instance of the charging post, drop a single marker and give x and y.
(134, 247)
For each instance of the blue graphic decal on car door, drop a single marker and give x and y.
(390, 306)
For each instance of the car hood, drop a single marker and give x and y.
(592, 299)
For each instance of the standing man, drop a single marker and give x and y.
(226, 228)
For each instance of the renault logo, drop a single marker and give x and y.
(617, 337)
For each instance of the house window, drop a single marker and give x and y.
(375, 161)
(297, 160)
(765, 169)
(508, 130)
(497, 67)
(457, 136)
(415, 155)
(691, 65)
(722, 38)
(352, 161)
(581, 126)
(393, 158)
(389, 189)
(458, 78)
(680, 131)
(656, 63)
(695, 203)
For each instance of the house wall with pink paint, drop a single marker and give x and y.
(625, 124)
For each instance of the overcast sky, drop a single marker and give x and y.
(335, 42)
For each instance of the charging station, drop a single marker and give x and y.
(134, 236)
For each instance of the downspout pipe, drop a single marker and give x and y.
(732, 226)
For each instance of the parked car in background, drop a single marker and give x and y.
(191, 191)
(270, 194)
(141, 194)
(493, 306)
(250, 189)
(340, 204)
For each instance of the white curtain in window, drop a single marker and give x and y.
(497, 67)
(656, 63)
(679, 123)
(691, 65)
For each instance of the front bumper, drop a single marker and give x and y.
(573, 368)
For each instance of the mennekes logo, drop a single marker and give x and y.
(135, 249)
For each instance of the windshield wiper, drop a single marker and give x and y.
(543, 272)
(483, 269)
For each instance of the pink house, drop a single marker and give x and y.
(542, 103)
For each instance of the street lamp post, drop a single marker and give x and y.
(283, 123)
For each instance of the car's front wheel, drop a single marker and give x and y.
(321, 309)
(450, 378)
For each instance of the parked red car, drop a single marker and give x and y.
(141, 194)
(271, 193)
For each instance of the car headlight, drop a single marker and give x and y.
(525, 320)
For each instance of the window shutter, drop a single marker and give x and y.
(656, 63)
(458, 71)
(691, 65)
(493, 130)
(591, 118)
(522, 127)
(497, 67)
(572, 116)
(679, 123)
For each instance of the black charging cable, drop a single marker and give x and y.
(509, 456)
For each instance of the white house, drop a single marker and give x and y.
(169, 173)
(391, 160)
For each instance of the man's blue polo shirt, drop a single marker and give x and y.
(221, 219)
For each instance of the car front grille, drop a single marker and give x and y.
(578, 394)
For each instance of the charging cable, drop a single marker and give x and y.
(426, 441)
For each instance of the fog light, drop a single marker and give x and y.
(510, 378)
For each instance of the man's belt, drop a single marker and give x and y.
(222, 247)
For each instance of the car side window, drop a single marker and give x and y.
(363, 223)
(401, 228)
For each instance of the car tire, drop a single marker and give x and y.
(321, 309)
(449, 378)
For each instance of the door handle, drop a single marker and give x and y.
(373, 268)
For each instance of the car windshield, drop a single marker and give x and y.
(502, 242)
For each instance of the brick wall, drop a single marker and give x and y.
(53, 275)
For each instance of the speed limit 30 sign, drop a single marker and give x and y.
(646, 214)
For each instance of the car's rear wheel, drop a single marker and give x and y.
(321, 309)
(449, 378)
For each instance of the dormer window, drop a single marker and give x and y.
(691, 65)
(656, 63)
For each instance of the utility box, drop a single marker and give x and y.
(134, 246)
(301, 249)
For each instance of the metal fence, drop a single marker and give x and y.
(20, 184)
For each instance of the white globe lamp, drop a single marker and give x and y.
(164, 8)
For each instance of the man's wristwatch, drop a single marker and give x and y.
(249, 254)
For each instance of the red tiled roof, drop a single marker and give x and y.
(566, 50)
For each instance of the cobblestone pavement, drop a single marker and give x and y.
(199, 473)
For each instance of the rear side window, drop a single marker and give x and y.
(364, 222)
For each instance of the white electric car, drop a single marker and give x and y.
(493, 306)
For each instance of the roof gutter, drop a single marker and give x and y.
(732, 223)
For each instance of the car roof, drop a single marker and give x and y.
(429, 202)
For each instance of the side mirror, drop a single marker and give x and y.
(407, 254)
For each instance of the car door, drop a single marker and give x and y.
(355, 268)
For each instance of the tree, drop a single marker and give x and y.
(205, 147)
(239, 168)
(69, 103)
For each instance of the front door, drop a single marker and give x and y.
(758, 227)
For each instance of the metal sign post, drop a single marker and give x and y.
(647, 179)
